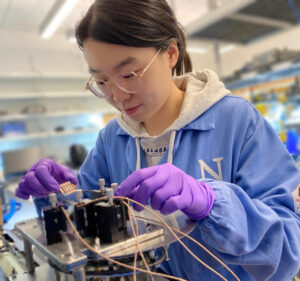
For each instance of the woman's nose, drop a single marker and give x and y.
(118, 95)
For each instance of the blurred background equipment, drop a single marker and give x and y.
(245, 21)
(77, 155)
(19, 161)
(14, 165)
(15, 128)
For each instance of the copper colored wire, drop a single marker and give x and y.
(136, 232)
(110, 259)
(178, 239)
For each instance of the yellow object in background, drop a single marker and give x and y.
(107, 117)
(1, 176)
(282, 98)
(262, 108)
(283, 138)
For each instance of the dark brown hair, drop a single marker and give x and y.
(136, 23)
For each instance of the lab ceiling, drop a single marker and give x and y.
(27, 15)
(254, 21)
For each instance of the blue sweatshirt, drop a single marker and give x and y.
(253, 226)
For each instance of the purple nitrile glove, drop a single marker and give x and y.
(44, 178)
(169, 189)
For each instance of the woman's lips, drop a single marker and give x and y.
(132, 110)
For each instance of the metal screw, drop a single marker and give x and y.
(152, 254)
(78, 194)
(110, 195)
(101, 183)
(53, 200)
(114, 186)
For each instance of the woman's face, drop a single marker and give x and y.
(106, 60)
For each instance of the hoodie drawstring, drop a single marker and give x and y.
(170, 152)
(171, 147)
(138, 154)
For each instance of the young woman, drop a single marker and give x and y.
(184, 143)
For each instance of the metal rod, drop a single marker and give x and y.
(57, 275)
(28, 256)
(92, 201)
(79, 274)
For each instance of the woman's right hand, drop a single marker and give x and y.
(44, 178)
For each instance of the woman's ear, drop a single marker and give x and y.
(173, 53)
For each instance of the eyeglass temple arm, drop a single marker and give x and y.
(149, 64)
(87, 85)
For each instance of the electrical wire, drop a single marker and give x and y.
(108, 258)
(178, 239)
(195, 241)
(135, 232)
(131, 215)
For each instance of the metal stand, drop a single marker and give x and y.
(71, 256)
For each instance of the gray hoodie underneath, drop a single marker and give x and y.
(202, 90)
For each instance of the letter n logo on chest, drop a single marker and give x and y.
(204, 167)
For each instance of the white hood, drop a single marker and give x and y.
(202, 90)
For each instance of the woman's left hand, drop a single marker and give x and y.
(169, 189)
